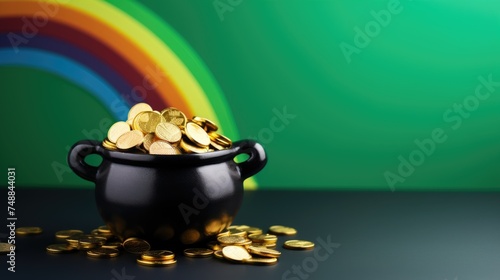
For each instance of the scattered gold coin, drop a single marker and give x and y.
(253, 230)
(63, 234)
(103, 253)
(218, 254)
(6, 248)
(261, 261)
(252, 249)
(156, 262)
(198, 252)
(91, 241)
(239, 227)
(59, 248)
(263, 251)
(29, 230)
(235, 253)
(112, 245)
(298, 244)
(263, 238)
(231, 240)
(237, 231)
(223, 233)
(158, 255)
(136, 245)
(104, 229)
(214, 245)
(282, 230)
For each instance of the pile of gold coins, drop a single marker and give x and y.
(168, 132)
(237, 244)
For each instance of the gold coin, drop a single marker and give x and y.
(6, 248)
(187, 147)
(74, 239)
(138, 108)
(298, 244)
(263, 251)
(136, 245)
(29, 230)
(103, 253)
(263, 238)
(106, 235)
(169, 132)
(235, 253)
(117, 130)
(104, 229)
(156, 262)
(109, 145)
(236, 231)
(218, 254)
(247, 243)
(220, 139)
(216, 146)
(253, 230)
(223, 233)
(214, 245)
(231, 240)
(197, 135)
(268, 245)
(174, 116)
(59, 248)
(205, 123)
(148, 140)
(64, 234)
(129, 140)
(236, 227)
(112, 245)
(282, 230)
(162, 147)
(158, 255)
(91, 241)
(261, 261)
(198, 252)
(146, 122)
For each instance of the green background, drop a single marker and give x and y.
(352, 121)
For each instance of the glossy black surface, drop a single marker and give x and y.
(172, 200)
(381, 235)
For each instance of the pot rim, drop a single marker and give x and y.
(201, 158)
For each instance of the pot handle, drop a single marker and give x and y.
(257, 157)
(76, 158)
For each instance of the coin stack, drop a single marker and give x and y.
(168, 132)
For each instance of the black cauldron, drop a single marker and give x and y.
(172, 201)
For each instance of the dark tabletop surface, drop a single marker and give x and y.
(358, 235)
